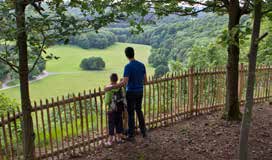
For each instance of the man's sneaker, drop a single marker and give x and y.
(108, 144)
(125, 132)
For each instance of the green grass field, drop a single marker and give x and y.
(68, 77)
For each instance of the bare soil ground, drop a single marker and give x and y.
(206, 137)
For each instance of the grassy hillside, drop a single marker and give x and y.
(67, 77)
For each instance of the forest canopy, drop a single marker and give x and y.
(89, 40)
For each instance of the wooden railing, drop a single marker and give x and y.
(68, 125)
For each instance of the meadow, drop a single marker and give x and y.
(65, 75)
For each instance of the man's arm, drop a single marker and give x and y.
(145, 79)
(122, 83)
(118, 85)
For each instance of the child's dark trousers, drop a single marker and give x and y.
(115, 121)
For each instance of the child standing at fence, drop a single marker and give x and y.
(115, 101)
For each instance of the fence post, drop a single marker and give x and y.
(191, 89)
(241, 82)
(267, 83)
(268, 67)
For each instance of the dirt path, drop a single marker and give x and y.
(43, 75)
(204, 137)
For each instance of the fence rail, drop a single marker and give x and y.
(72, 124)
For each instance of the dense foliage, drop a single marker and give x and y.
(99, 40)
(161, 70)
(264, 55)
(7, 104)
(92, 63)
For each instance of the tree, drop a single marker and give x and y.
(255, 39)
(34, 25)
(232, 103)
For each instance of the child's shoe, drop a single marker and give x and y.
(120, 141)
(108, 144)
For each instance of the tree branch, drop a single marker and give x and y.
(184, 13)
(27, 2)
(40, 53)
(262, 37)
(192, 13)
(245, 9)
(5, 60)
(226, 3)
(11, 65)
(37, 7)
(194, 2)
(267, 11)
(191, 2)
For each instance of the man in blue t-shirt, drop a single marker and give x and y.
(134, 79)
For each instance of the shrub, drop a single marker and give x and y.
(92, 63)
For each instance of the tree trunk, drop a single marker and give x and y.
(232, 111)
(250, 82)
(27, 126)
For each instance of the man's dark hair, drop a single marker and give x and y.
(129, 52)
(114, 77)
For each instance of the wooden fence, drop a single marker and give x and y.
(72, 124)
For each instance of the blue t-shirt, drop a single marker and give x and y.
(135, 71)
